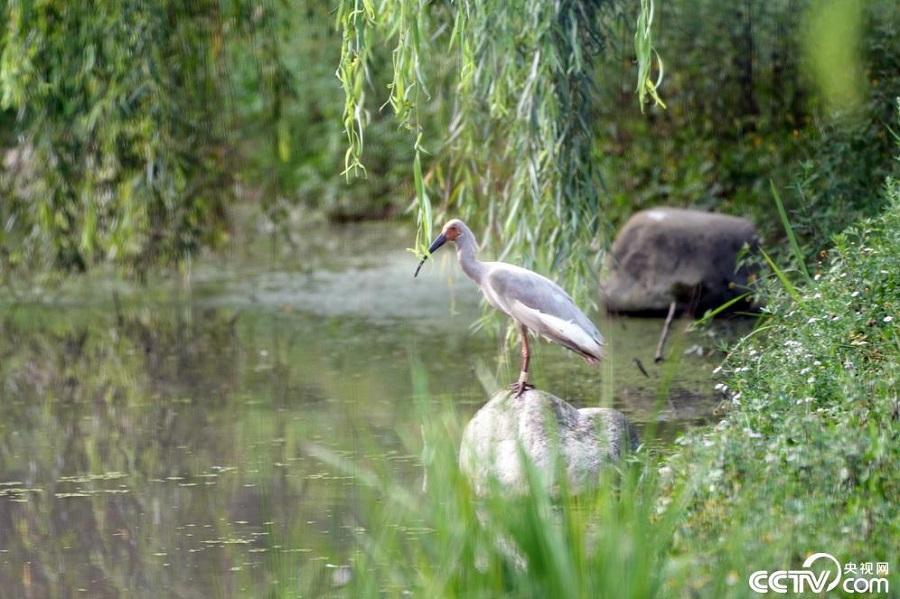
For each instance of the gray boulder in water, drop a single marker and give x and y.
(663, 255)
(544, 428)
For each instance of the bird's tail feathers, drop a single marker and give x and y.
(592, 356)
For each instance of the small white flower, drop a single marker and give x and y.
(888, 318)
(666, 473)
(817, 277)
(854, 294)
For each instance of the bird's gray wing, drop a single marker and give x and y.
(544, 307)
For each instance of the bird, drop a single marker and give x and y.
(533, 301)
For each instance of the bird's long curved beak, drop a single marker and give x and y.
(437, 243)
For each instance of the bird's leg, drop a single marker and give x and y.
(522, 385)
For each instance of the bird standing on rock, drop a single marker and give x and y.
(535, 302)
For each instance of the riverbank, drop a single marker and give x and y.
(806, 459)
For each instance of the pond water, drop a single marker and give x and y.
(156, 438)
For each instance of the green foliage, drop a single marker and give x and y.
(643, 48)
(532, 130)
(806, 459)
(121, 152)
(287, 124)
(833, 38)
(514, 98)
(128, 131)
(745, 107)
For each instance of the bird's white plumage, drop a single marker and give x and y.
(542, 306)
(565, 329)
(534, 301)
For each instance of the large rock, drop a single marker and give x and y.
(542, 427)
(672, 254)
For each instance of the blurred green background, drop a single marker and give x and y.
(138, 133)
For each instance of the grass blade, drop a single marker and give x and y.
(782, 276)
(711, 314)
(792, 239)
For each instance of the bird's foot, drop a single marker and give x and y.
(520, 387)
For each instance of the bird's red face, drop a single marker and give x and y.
(451, 232)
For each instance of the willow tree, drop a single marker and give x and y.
(120, 152)
(123, 123)
(512, 83)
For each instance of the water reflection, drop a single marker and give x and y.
(154, 445)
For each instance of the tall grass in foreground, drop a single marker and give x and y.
(444, 541)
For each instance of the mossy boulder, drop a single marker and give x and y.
(672, 254)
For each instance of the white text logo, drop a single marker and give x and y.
(826, 579)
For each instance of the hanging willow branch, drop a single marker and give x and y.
(508, 88)
(643, 47)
